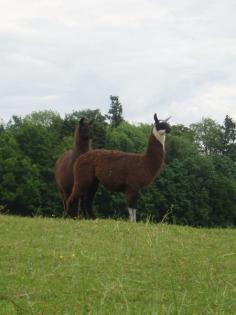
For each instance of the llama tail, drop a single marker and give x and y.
(74, 196)
(70, 201)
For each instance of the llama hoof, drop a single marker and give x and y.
(90, 218)
(65, 216)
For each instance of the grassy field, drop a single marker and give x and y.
(53, 266)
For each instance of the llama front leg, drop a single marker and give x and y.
(131, 197)
(132, 214)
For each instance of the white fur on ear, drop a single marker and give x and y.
(160, 135)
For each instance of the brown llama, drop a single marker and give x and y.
(119, 171)
(64, 165)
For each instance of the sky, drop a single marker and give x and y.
(173, 58)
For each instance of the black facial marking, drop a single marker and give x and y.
(161, 125)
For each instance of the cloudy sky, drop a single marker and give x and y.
(171, 57)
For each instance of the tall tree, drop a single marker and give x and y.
(1, 125)
(229, 128)
(229, 137)
(208, 136)
(115, 112)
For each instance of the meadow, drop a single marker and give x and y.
(56, 266)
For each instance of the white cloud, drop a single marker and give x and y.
(159, 56)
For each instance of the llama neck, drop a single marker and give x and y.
(81, 145)
(160, 136)
(155, 151)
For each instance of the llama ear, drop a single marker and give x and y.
(81, 121)
(167, 118)
(156, 119)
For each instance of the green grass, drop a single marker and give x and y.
(53, 266)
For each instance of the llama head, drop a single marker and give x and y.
(85, 129)
(161, 126)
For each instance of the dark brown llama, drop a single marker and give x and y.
(119, 171)
(64, 165)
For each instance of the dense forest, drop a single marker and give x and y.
(197, 185)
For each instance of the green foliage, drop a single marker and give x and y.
(47, 119)
(127, 137)
(19, 177)
(208, 135)
(197, 185)
(115, 112)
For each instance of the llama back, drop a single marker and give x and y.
(114, 169)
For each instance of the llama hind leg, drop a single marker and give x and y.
(70, 210)
(72, 200)
(73, 210)
(65, 214)
(89, 200)
(65, 211)
(82, 207)
(63, 197)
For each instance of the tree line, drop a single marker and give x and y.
(197, 185)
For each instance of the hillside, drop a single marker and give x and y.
(53, 266)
